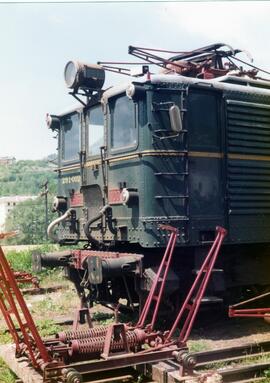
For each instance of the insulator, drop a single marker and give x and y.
(96, 345)
(67, 336)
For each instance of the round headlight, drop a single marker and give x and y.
(85, 76)
(70, 73)
(53, 122)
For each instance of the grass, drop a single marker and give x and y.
(198, 345)
(5, 337)
(6, 375)
(45, 306)
(47, 327)
(237, 363)
(22, 260)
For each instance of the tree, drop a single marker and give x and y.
(28, 218)
(26, 176)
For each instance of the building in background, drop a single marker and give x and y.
(8, 203)
(7, 160)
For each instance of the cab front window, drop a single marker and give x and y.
(95, 130)
(124, 132)
(71, 137)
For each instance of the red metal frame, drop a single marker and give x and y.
(251, 313)
(23, 277)
(158, 285)
(13, 306)
(161, 345)
(193, 300)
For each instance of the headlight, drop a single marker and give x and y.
(53, 122)
(71, 71)
(88, 76)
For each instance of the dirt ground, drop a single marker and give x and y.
(228, 332)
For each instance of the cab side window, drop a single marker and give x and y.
(95, 130)
(71, 137)
(123, 123)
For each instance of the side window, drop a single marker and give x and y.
(203, 120)
(95, 130)
(71, 137)
(123, 123)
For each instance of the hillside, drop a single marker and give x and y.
(25, 177)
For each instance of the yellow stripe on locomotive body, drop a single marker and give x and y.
(234, 156)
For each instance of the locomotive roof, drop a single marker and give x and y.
(228, 82)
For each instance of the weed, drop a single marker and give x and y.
(267, 373)
(5, 337)
(22, 260)
(46, 306)
(52, 277)
(47, 327)
(248, 359)
(197, 346)
(6, 375)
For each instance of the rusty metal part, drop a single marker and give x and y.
(24, 277)
(96, 345)
(12, 305)
(67, 336)
(234, 311)
(186, 361)
(8, 234)
(71, 375)
(158, 285)
(79, 257)
(194, 297)
(117, 361)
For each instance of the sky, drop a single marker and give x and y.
(38, 39)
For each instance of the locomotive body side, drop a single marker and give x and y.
(214, 172)
(123, 171)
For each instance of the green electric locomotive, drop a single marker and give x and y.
(187, 147)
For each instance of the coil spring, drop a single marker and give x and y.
(68, 336)
(96, 345)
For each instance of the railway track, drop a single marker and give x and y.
(239, 364)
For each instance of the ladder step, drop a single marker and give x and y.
(171, 174)
(168, 219)
(10, 311)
